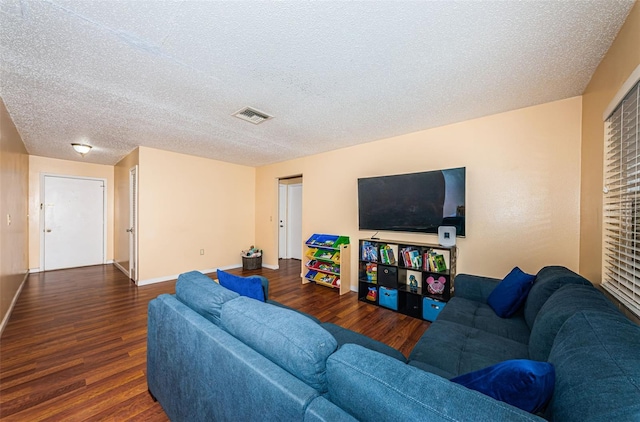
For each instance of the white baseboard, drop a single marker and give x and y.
(5, 319)
(272, 267)
(109, 261)
(121, 268)
(175, 276)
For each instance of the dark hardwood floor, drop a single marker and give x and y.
(74, 348)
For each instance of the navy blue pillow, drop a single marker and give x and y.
(526, 384)
(509, 295)
(244, 286)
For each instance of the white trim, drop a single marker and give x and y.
(104, 212)
(271, 267)
(6, 317)
(622, 92)
(121, 268)
(175, 276)
(134, 238)
(34, 270)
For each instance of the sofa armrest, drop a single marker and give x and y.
(371, 387)
(474, 287)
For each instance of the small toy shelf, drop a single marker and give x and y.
(327, 262)
(415, 279)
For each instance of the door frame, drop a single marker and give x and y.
(41, 224)
(133, 215)
(282, 181)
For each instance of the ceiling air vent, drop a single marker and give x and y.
(252, 115)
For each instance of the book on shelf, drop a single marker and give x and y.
(409, 257)
(387, 256)
(434, 262)
(440, 263)
(369, 252)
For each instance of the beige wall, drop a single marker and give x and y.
(121, 211)
(38, 166)
(621, 59)
(523, 184)
(14, 184)
(189, 203)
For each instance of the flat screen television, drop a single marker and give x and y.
(414, 202)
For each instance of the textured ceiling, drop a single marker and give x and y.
(169, 74)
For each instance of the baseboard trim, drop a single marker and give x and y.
(6, 317)
(271, 267)
(175, 276)
(121, 268)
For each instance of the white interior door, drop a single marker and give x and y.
(73, 223)
(294, 221)
(133, 223)
(282, 222)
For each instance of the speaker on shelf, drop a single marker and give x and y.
(447, 235)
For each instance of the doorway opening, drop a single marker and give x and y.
(290, 217)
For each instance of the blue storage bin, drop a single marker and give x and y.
(388, 298)
(431, 308)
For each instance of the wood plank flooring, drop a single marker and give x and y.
(74, 348)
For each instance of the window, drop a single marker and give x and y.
(621, 208)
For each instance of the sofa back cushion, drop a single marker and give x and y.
(565, 302)
(372, 386)
(287, 338)
(597, 361)
(548, 280)
(203, 295)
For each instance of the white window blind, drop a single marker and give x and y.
(621, 208)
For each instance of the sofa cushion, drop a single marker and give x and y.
(244, 286)
(548, 280)
(458, 349)
(274, 303)
(565, 302)
(430, 368)
(375, 387)
(597, 361)
(346, 336)
(289, 339)
(203, 295)
(509, 295)
(480, 315)
(523, 383)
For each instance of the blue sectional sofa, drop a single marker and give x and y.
(215, 355)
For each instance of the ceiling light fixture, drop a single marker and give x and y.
(82, 149)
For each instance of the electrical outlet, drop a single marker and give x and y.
(201, 251)
(8, 219)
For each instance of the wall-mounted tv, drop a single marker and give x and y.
(414, 202)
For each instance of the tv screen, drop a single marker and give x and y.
(415, 202)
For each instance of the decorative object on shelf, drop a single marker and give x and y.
(252, 258)
(413, 283)
(328, 261)
(447, 235)
(372, 294)
(436, 287)
(415, 279)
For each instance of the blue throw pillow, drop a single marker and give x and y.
(509, 295)
(244, 286)
(526, 384)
